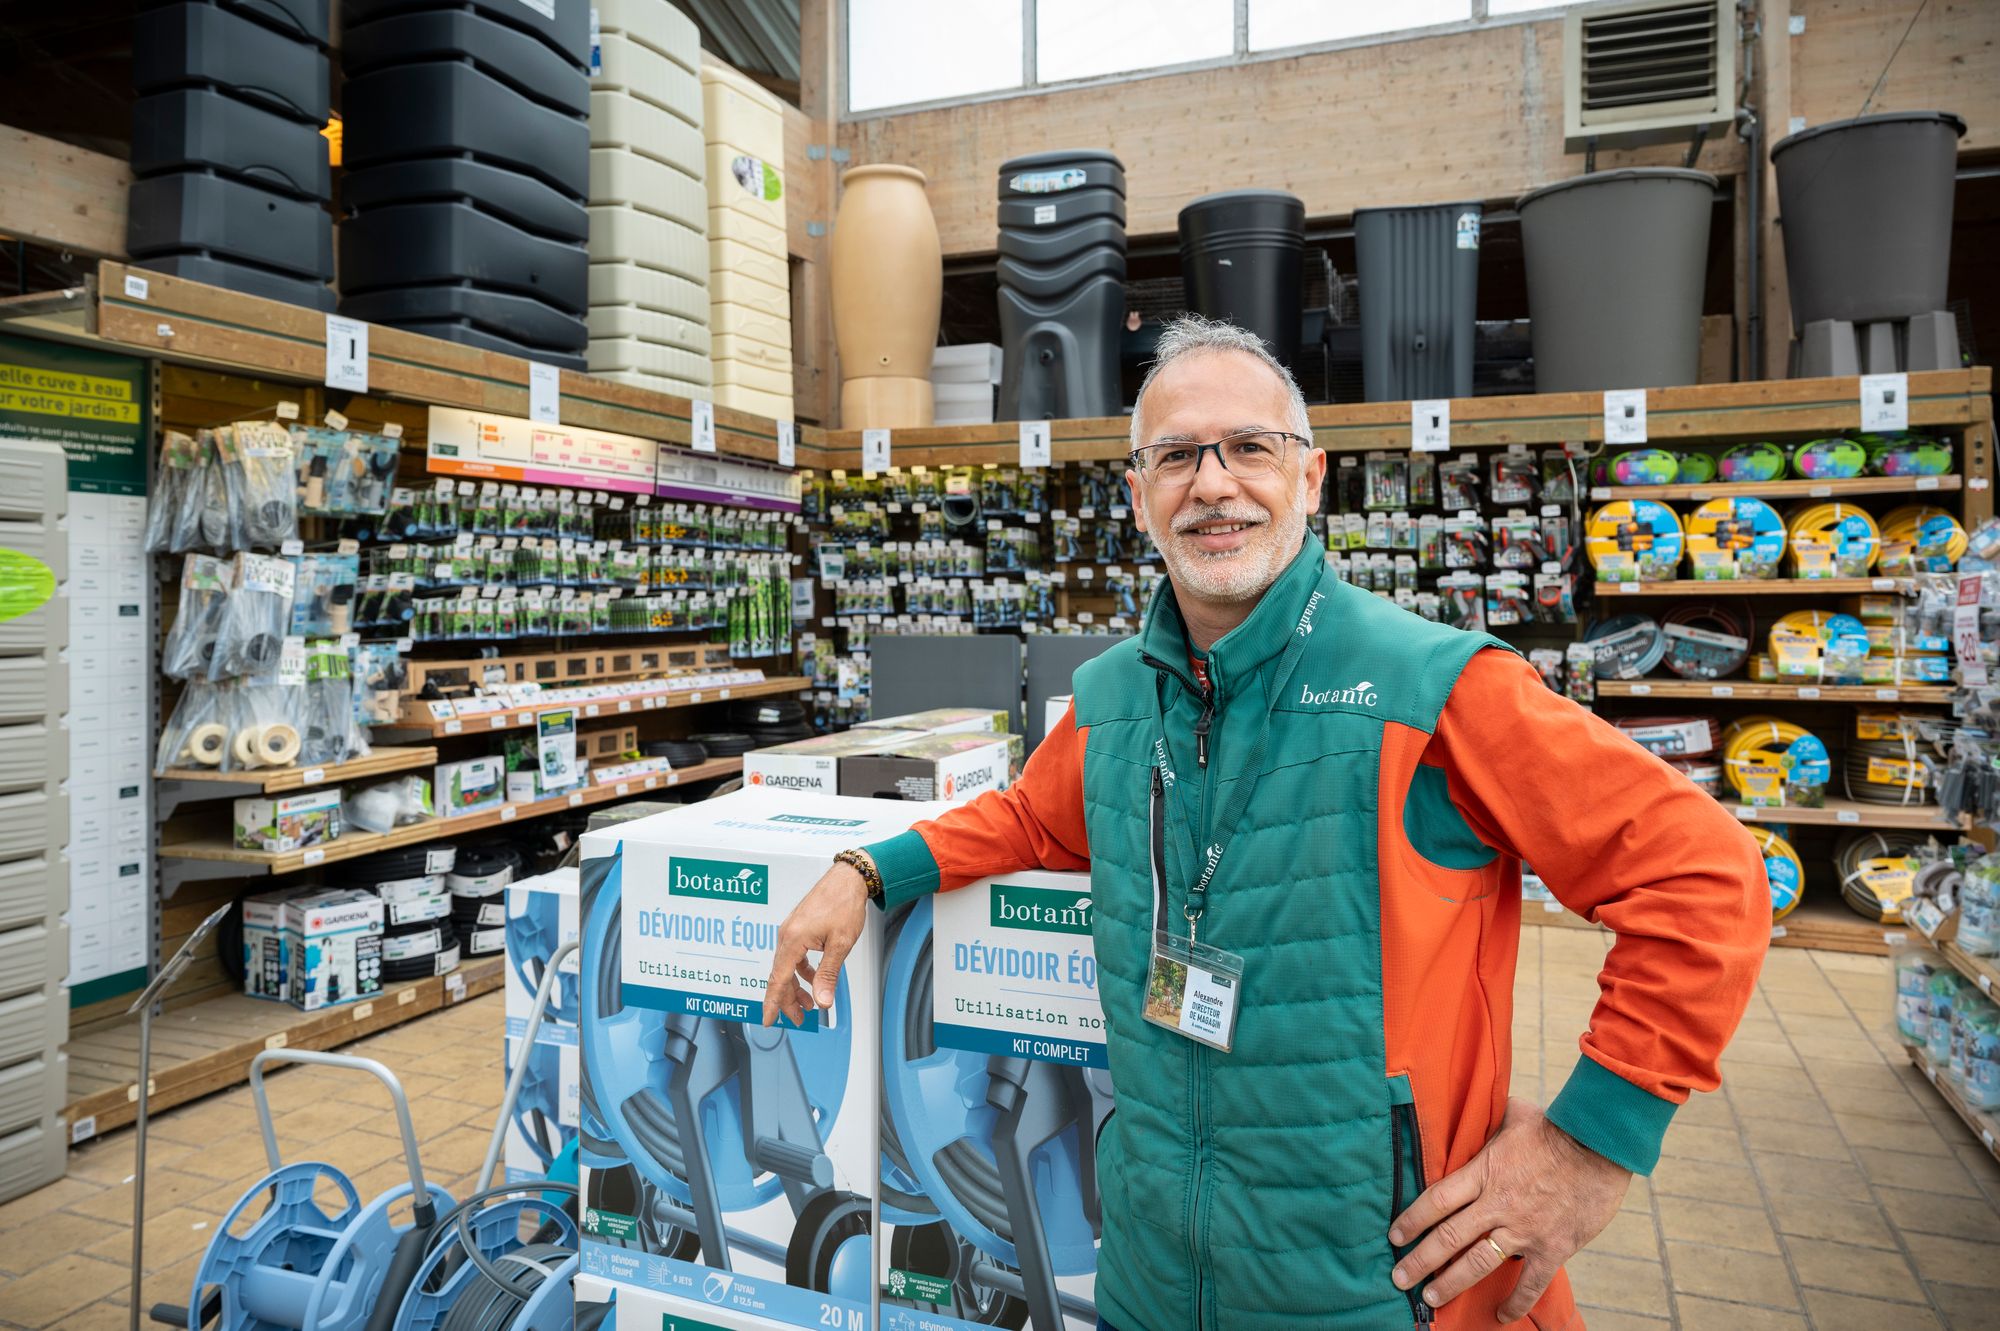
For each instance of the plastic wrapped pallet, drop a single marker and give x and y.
(750, 311)
(649, 301)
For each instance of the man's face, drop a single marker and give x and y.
(1224, 538)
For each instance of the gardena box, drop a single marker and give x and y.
(333, 947)
(1011, 974)
(762, 1217)
(290, 822)
(943, 721)
(950, 767)
(811, 766)
(540, 915)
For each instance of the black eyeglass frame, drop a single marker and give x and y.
(1137, 457)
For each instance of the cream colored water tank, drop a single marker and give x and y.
(750, 303)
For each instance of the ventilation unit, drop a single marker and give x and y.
(1647, 73)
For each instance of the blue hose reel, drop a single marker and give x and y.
(714, 1117)
(448, 1275)
(976, 1144)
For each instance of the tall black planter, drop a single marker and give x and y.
(1241, 259)
(1062, 284)
(1419, 271)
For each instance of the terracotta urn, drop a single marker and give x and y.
(888, 280)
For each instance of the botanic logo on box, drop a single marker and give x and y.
(725, 880)
(1051, 911)
(817, 822)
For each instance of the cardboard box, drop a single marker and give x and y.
(289, 823)
(333, 947)
(539, 915)
(701, 892)
(264, 974)
(608, 743)
(1053, 711)
(1012, 973)
(811, 766)
(473, 785)
(943, 721)
(967, 363)
(951, 767)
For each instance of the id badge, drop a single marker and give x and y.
(1191, 989)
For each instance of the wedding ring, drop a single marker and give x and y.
(1498, 1251)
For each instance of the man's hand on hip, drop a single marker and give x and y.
(827, 922)
(1532, 1193)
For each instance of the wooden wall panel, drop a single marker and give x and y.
(1951, 62)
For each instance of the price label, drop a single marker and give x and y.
(1600, 492)
(1722, 691)
(314, 856)
(288, 411)
(1847, 816)
(278, 1041)
(1642, 690)
(1885, 402)
(622, 788)
(1627, 588)
(86, 1127)
(702, 427)
(1778, 931)
(406, 997)
(1430, 425)
(624, 705)
(576, 800)
(1552, 908)
(1034, 443)
(1820, 492)
(136, 288)
(508, 813)
(590, 709)
(1808, 692)
(1887, 695)
(346, 354)
(335, 421)
(788, 444)
(1746, 813)
(874, 450)
(1625, 416)
(1883, 584)
(1965, 632)
(364, 1012)
(544, 393)
(313, 776)
(454, 727)
(694, 698)
(1927, 483)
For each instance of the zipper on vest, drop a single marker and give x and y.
(1194, 1196)
(1201, 726)
(1403, 1121)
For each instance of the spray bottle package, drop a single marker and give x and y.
(994, 1088)
(730, 1168)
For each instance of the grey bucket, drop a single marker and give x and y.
(1419, 271)
(1865, 209)
(1616, 264)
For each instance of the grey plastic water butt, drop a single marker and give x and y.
(1241, 256)
(1616, 262)
(1865, 209)
(1419, 271)
(1062, 283)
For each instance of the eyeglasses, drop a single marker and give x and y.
(1247, 455)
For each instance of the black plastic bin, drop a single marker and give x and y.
(207, 45)
(1242, 253)
(1419, 275)
(1062, 284)
(203, 129)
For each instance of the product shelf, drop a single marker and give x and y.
(1851, 813)
(1985, 1124)
(1822, 924)
(1982, 971)
(518, 717)
(354, 844)
(206, 1046)
(1612, 591)
(1743, 690)
(1795, 489)
(276, 780)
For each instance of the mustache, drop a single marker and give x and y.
(1243, 512)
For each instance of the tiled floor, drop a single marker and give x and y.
(1826, 1186)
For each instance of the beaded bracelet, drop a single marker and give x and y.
(859, 861)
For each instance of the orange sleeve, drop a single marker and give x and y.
(1624, 840)
(1036, 823)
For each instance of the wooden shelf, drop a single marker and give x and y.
(631, 703)
(1825, 925)
(1850, 813)
(277, 779)
(203, 1047)
(1982, 971)
(1614, 591)
(355, 844)
(1985, 1124)
(1717, 489)
(1743, 690)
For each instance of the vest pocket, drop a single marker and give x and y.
(1406, 1163)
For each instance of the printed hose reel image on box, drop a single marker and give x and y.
(727, 1165)
(994, 1094)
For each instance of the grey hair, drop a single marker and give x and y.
(1191, 333)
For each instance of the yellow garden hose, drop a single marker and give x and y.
(1916, 537)
(1769, 761)
(1783, 870)
(1832, 540)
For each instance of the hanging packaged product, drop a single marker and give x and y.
(256, 458)
(1753, 463)
(1423, 480)
(1705, 641)
(1784, 871)
(323, 591)
(1829, 460)
(265, 713)
(1832, 540)
(328, 728)
(1458, 483)
(1558, 477)
(256, 619)
(1518, 542)
(1735, 537)
(190, 644)
(1462, 601)
(1555, 596)
(173, 515)
(1918, 538)
(1645, 466)
(1386, 481)
(1465, 542)
(1770, 763)
(1514, 477)
(1507, 599)
(343, 473)
(196, 734)
(1634, 540)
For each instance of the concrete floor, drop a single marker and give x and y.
(1827, 1186)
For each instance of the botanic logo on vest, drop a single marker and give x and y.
(720, 879)
(1306, 619)
(1045, 909)
(1360, 695)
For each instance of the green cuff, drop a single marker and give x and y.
(908, 868)
(1612, 1117)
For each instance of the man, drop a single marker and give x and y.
(1311, 807)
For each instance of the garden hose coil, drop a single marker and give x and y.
(1887, 771)
(1767, 761)
(1784, 871)
(1878, 872)
(1626, 647)
(1833, 540)
(1706, 774)
(1735, 537)
(1634, 540)
(1705, 641)
(1920, 538)
(1812, 644)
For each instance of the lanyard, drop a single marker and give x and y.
(1169, 810)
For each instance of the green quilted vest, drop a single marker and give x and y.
(1252, 1190)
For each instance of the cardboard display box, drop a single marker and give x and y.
(314, 948)
(288, 823)
(540, 915)
(943, 721)
(812, 766)
(951, 767)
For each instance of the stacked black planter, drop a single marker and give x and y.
(1062, 284)
(467, 147)
(1242, 257)
(230, 175)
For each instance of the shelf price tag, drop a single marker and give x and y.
(702, 425)
(1885, 401)
(788, 443)
(346, 354)
(1034, 443)
(544, 393)
(874, 450)
(1430, 425)
(1625, 416)
(1847, 815)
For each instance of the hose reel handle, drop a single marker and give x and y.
(418, 1191)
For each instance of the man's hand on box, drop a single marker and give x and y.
(827, 922)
